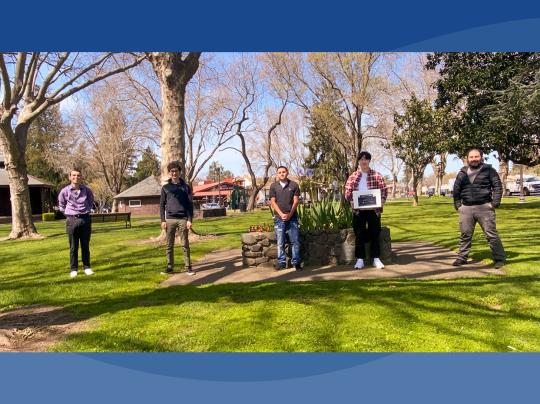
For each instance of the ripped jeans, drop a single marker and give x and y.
(290, 228)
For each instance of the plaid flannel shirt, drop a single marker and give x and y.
(374, 181)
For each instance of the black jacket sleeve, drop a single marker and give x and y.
(496, 185)
(456, 193)
(189, 209)
(162, 203)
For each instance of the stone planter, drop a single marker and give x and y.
(316, 248)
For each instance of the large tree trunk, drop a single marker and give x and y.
(22, 225)
(173, 143)
(173, 74)
(415, 181)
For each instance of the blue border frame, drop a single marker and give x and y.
(271, 26)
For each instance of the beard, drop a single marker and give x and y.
(474, 164)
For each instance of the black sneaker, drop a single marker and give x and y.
(190, 271)
(167, 271)
(459, 262)
(298, 267)
(279, 266)
(499, 264)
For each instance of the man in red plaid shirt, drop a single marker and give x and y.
(361, 180)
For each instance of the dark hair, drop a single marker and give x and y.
(365, 154)
(75, 169)
(173, 164)
(477, 149)
(283, 167)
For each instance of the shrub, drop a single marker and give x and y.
(324, 215)
(47, 217)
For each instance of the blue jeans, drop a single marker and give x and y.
(289, 227)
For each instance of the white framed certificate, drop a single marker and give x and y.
(370, 199)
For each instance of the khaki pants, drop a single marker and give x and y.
(485, 216)
(172, 226)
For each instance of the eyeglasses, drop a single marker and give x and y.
(174, 171)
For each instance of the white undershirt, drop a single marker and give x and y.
(362, 184)
(283, 184)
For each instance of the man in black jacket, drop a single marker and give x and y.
(477, 193)
(176, 211)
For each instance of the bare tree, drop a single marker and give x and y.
(288, 143)
(246, 87)
(352, 77)
(209, 113)
(113, 132)
(32, 82)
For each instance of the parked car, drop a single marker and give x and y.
(210, 205)
(531, 185)
(262, 203)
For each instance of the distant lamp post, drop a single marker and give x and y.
(219, 184)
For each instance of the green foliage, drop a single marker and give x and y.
(419, 135)
(48, 217)
(327, 144)
(480, 88)
(515, 114)
(217, 172)
(148, 165)
(325, 215)
(44, 147)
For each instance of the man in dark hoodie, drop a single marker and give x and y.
(477, 193)
(176, 211)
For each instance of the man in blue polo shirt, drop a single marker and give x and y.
(76, 201)
(284, 197)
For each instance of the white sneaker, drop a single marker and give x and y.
(88, 271)
(378, 263)
(359, 264)
(73, 274)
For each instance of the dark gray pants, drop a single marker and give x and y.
(485, 216)
(79, 229)
(181, 226)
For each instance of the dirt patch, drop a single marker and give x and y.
(35, 328)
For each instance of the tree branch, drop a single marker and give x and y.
(7, 84)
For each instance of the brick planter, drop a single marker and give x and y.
(316, 247)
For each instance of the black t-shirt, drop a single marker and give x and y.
(284, 195)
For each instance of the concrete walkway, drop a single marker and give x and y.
(416, 260)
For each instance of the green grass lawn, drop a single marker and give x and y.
(128, 310)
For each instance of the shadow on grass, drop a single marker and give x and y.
(407, 300)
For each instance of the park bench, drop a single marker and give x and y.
(112, 217)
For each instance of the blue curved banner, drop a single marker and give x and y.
(241, 25)
(254, 378)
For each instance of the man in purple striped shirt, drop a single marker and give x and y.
(76, 201)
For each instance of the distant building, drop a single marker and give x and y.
(40, 192)
(143, 197)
